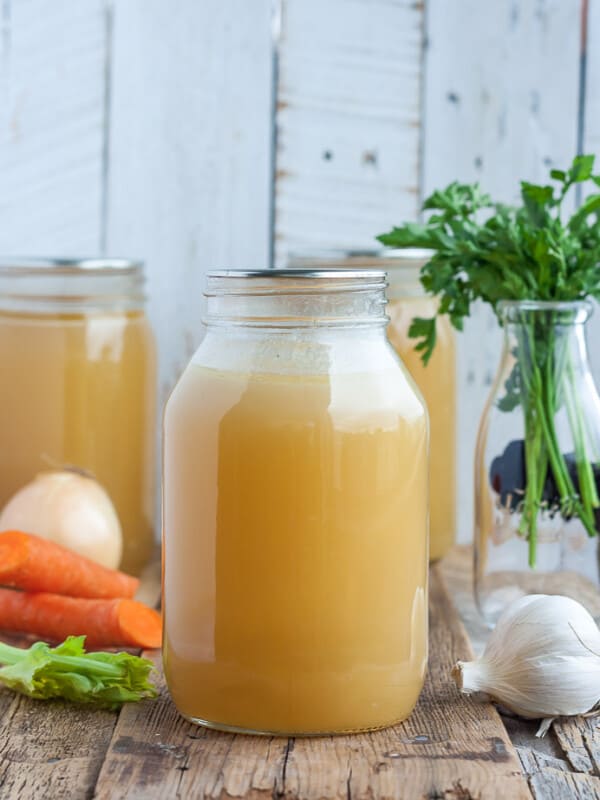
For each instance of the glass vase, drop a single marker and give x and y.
(537, 464)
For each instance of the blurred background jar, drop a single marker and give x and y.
(437, 380)
(78, 376)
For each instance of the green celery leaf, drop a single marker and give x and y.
(104, 680)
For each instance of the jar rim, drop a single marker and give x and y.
(43, 266)
(390, 257)
(580, 310)
(296, 298)
(299, 272)
(273, 282)
(545, 305)
(78, 285)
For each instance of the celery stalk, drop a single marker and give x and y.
(103, 680)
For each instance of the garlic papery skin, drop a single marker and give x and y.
(541, 661)
(72, 510)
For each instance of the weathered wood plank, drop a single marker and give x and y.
(500, 105)
(533, 761)
(449, 748)
(52, 92)
(190, 153)
(348, 121)
(554, 784)
(579, 737)
(50, 749)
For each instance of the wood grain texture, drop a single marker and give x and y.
(50, 749)
(190, 153)
(449, 748)
(52, 88)
(348, 121)
(579, 737)
(551, 784)
(500, 106)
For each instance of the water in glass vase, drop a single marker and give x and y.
(537, 472)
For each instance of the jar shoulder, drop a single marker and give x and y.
(362, 375)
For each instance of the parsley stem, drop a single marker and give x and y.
(547, 381)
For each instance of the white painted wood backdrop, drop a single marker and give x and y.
(227, 133)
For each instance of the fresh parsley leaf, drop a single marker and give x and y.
(425, 330)
(582, 168)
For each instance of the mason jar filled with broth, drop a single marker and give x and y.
(78, 377)
(437, 380)
(295, 511)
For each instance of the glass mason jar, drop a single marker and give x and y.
(436, 381)
(537, 468)
(78, 376)
(295, 511)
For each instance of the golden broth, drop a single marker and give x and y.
(295, 550)
(79, 389)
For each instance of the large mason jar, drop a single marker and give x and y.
(537, 468)
(295, 511)
(78, 383)
(436, 381)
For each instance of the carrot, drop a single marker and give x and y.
(116, 622)
(37, 565)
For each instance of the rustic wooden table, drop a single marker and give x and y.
(450, 749)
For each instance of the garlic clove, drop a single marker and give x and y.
(541, 661)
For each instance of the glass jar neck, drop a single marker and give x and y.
(71, 286)
(296, 299)
(537, 331)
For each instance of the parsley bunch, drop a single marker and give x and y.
(483, 250)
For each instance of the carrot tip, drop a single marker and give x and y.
(140, 625)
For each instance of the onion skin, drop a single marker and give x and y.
(70, 509)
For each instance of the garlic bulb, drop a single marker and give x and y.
(541, 661)
(71, 509)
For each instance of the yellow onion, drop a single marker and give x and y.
(71, 509)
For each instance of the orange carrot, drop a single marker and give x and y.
(38, 565)
(116, 622)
